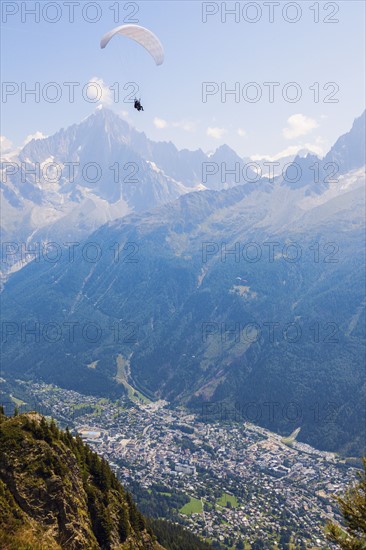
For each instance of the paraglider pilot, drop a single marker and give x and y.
(138, 105)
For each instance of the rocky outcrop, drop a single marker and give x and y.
(56, 493)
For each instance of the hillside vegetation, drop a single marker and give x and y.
(57, 493)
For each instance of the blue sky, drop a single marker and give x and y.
(231, 54)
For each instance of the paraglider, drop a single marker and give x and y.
(142, 36)
(138, 105)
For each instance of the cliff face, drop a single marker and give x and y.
(56, 493)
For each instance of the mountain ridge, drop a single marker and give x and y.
(190, 242)
(103, 169)
(226, 260)
(56, 493)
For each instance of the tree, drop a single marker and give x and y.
(123, 524)
(53, 428)
(353, 508)
(285, 537)
(258, 545)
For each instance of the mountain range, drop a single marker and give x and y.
(247, 295)
(65, 186)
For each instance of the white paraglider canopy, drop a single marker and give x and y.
(142, 36)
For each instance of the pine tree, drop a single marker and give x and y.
(53, 428)
(68, 437)
(353, 508)
(123, 525)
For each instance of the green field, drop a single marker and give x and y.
(291, 438)
(194, 506)
(80, 406)
(227, 498)
(121, 378)
(17, 402)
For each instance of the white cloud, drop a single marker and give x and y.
(320, 147)
(241, 132)
(160, 123)
(298, 125)
(215, 132)
(37, 135)
(292, 150)
(99, 92)
(314, 148)
(5, 144)
(186, 125)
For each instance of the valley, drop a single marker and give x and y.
(182, 275)
(223, 478)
